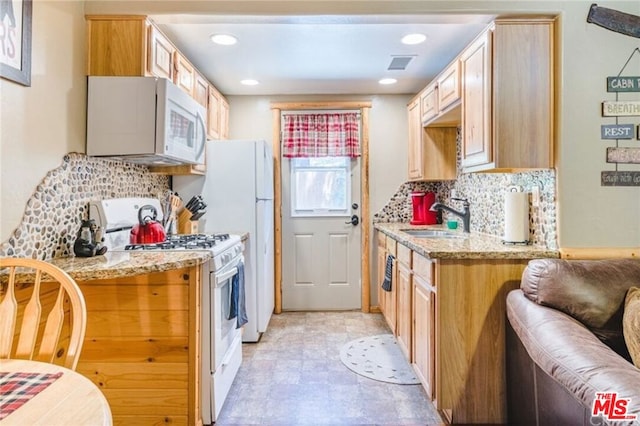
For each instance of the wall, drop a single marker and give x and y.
(590, 214)
(42, 123)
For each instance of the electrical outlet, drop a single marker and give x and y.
(535, 196)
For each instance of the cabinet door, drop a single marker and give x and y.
(404, 309)
(390, 301)
(429, 101)
(476, 108)
(201, 90)
(424, 333)
(213, 112)
(415, 141)
(448, 87)
(160, 54)
(224, 118)
(382, 261)
(185, 74)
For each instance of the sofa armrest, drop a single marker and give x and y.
(570, 354)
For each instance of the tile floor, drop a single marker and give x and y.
(294, 376)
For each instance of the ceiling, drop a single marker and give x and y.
(344, 54)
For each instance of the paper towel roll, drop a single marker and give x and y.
(516, 217)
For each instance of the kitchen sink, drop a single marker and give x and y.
(431, 233)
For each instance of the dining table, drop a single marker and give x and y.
(39, 393)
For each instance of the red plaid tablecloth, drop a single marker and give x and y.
(18, 388)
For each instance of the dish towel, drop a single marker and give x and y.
(388, 272)
(238, 308)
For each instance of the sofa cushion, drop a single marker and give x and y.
(591, 291)
(631, 324)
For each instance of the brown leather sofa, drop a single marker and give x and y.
(565, 342)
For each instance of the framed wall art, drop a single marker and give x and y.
(15, 40)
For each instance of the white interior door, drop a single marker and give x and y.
(321, 248)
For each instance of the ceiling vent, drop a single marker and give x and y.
(399, 63)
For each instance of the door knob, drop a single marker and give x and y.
(354, 220)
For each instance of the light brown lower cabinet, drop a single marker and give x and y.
(403, 300)
(456, 330)
(141, 346)
(423, 332)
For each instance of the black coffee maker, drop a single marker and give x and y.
(89, 241)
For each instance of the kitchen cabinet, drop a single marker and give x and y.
(224, 119)
(382, 261)
(415, 140)
(429, 102)
(387, 299)
(142, 345)
(507, 77)
(160, 55)
(403, 299)
(201, 90)
(432, 150)
(423, 314)
(132, 45)
(456, 326)
(448, 83)
(185, 76)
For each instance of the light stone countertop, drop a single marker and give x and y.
(123, 264)
(474, 245)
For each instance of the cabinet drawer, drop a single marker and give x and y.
(424, 268)
(382, 240)
(391, 246)
(404, 255)
(449, 86)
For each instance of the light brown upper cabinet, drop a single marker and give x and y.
(448, 87)
(415, 140)
(201, 90)
(185, 77)
(508, 97)
(429, 102)
(432, 150)
(160, 54)
(224, 118)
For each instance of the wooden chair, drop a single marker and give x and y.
(30, 290)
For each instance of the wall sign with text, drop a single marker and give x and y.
(624, 130)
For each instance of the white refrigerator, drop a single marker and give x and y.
(238, 189)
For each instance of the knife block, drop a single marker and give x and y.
(185, 224)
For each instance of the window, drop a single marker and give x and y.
(320, 186)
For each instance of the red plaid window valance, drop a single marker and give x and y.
(321, 135)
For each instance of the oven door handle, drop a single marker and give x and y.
(225, 275)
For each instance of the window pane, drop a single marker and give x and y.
(320, 186)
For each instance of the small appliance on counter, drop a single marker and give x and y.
(421, 203)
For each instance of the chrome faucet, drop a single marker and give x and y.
(465, 214)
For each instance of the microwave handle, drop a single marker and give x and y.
(203, 133)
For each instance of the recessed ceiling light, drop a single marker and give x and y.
(413, 38)
(387, 81)
(224, 39)
(249, 82)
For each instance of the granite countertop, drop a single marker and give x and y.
(122, 264)
(469, 246)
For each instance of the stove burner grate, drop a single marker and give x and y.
(182, 241)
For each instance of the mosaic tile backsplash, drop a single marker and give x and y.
(54, 212)
(485, 192)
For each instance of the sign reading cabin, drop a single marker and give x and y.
(623, 84)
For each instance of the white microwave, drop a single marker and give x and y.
(144, 120)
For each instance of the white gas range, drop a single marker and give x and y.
(221, 350)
